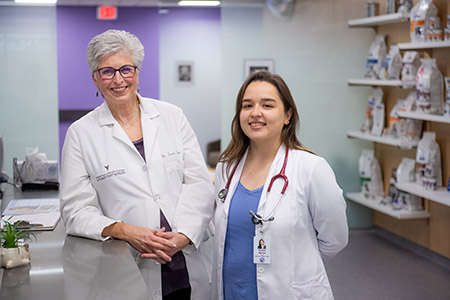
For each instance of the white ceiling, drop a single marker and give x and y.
(133, 2)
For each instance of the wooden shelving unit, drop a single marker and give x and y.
(373, 82)
(423, 45)
(383, 140)
(431, 233)
(440, 195)
(387, 209)
(377, 20)
(424, 117)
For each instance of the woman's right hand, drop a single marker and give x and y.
(142, 239)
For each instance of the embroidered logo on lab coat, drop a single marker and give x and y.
(170, 154)
(110, 174)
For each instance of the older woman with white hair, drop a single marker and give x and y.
(132, 169)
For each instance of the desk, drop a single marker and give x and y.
(67, 267)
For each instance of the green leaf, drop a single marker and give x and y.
(11, 235)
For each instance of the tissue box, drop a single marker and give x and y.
(37, 171)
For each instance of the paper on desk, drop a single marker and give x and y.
(46, 221)
(32, 206)
(43, 211)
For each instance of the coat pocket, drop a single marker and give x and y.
(316, 288)
(174, 169)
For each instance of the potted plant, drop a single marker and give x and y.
(13, 253)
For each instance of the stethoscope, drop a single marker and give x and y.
(256, 218)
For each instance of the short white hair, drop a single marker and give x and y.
(114, 41)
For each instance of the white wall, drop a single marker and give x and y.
(28, 82)
(197, 41)
(315, 52)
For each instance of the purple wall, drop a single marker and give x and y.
(76, 26)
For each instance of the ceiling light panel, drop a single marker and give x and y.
(198, 3)
(36, 2)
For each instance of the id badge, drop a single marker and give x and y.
(261, 249)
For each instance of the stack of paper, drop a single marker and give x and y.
(41, 214)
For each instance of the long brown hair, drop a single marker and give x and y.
(239, 141)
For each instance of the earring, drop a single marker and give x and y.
(138, 89)
(96, 95)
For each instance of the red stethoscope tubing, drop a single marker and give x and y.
(279, 175)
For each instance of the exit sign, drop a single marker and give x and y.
(106, 13)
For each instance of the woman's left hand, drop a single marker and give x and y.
(178, 239)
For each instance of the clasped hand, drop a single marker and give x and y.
(158, 244)
(151, 243)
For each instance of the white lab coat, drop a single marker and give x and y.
(310, 224)
(105, 180)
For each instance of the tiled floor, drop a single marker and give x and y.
(379, 266)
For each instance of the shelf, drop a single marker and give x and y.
(383, 140)
(441, 195)
(386, 209)
(423, 116)
(377, 20)
(373, 82)
(423, 45)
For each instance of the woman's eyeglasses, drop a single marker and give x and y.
(126, 71)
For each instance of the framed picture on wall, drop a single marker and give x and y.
(184, 73)
(255, 65)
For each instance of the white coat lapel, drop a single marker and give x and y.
(152, 153)
(234, 182)
(106, 119)
(149, 131)
(277, 186)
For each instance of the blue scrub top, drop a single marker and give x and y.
(239, 271)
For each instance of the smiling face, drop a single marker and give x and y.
(117, 90)
(263, 115)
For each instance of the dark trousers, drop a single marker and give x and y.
(183, 294)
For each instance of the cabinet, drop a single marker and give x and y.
(431, 228)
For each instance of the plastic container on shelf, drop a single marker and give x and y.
(373, 8)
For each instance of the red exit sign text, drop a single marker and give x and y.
(106, 13)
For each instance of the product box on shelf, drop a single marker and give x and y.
(447, 97)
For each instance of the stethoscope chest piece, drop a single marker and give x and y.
(223, 194)
(256, 219)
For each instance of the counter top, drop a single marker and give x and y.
(66, 267)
